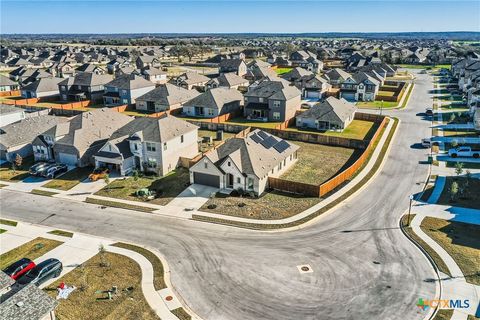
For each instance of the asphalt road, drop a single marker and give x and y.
(363, 266)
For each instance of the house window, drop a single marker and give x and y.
(229, 163)
(279, 166)
(181, 138)
(151, 147)
(152, 163)
(285, 161)
(164, 146)
(205, 164)
(276, 116)
(124, 92)
(276, 104)
(135, 147)
(250, 183)
(238, 180)
(260, 100)
(246, 99)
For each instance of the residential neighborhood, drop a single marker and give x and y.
(207, 169)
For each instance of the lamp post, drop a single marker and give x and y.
(409, 209)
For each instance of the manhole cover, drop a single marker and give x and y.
(305, 268)
(169, 298)
(376, 262)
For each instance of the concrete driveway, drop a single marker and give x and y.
(192, 198)
(28, 184)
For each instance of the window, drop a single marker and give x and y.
(151, 147)
(229, 163)
(124, 92)
(181, 138)
(276, 104)
(260, 100)
(276, 116)
(205, 164)
(210, 112)
(152, 163)
(250, 183)
(238, 180)
(135, 146)
(164, 146)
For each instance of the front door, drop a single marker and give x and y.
(229, 180)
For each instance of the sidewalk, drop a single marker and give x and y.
(437, 191)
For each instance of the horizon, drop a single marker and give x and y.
(237, 17)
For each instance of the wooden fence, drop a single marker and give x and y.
(398, 92)
(13, 93)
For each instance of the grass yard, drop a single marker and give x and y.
(88, 301)
(249, 123)
(377, 104)
(8, 222)
(281, 71)
(466, 165)
(70, 179)
(61, 233)
(205, 146)
(386, 93)
(158, 273)
(461, 241)
(358, 129)
(470, 200)
(2, 231)
(31, 250)
(459, 134)
(8, 174)
(181, 314)
(317, 163)
(444, 314)
(43, 192)
(271, 205)
(167, 187)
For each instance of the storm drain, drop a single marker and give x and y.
(304, 268)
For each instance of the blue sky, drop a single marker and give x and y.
(224, 16)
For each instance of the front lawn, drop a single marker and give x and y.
(460, 240)
(470, 198)
(30, 250)
(167, 187)
(8, 174)
(92, 279)
(317, 163)
(70, 179)
(270, 205)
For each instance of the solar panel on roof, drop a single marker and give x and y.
(281, 146)
(269, 142)
(263, 134)
(256, 138)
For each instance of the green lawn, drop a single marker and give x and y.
(470, 198)
(281, 71)
(461, 241)
(249, 123)
(358, 129)
(386, 93)
(8, 222)
(377, 104)
(167, 187)
(317, 163)
(205, 146)
(31, 250)
(8, 174)
(70, 179)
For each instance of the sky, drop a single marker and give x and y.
(232, 16)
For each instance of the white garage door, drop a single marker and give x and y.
(349, 96)
(68, 159)
(313, 94)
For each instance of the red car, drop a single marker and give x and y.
(19, 268)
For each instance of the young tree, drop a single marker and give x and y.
(459, 168)
(135, 176)
(107, 181)
(453, 191)
(103, 258)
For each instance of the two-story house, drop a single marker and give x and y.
(125, 89)
(214, 102)
(147, 61)
(360, 87)
(311, 85)
(237, 66)
(84, 86)
(306, 60)
(190, 80)
(228, 80)
(271, 100)
(336, 77)
(165, 97)
(149, 144)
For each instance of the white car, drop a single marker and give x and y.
(465, 152)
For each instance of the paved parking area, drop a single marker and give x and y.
(27, 184)
(192, 198)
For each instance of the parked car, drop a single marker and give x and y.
(426, 143)
(465, 152)
(45, 270)
(98, 173)
(429, 112)
(34, 170)
(19, 268)
(55, 170)
(43, 170)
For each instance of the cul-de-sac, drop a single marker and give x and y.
(228, 160)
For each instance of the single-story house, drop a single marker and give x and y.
(7, 85)
(10, 114)
(41, 88)
(165, 97)
(245, 163)
(214, 102)
(190, 80)
(330, 114)
(149, 144)
(228, 80)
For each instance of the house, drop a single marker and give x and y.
(360, 87)
(214, 102)
(125, 89)
(84, 86)
(42, 88)
(75, 142)
(149, 144)
(271, 100)
(336, 77)
(237, 66)
(190, 80)
(165, 97)
(311, 85)
(114, 65)
(245, 163)
(154, 75)
(306, 60)
(24, 303)
(228, 80)
(330, 114)
(147, 61)
(91, 68)
(10, 114)
(7, 85)
(17, 138)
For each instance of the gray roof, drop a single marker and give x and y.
(250, 155)
(26, 130)
(336, 74)
(87, 79)
(169, 94)
(331, 109)
(4, 81)
(8, 109)
(43, 85)
(231, 63)
(296, 74)
(192, 78)
(277, 89)
(29, 303)
(230, 79)
(130, 82)
(216, 98)
(5, 281)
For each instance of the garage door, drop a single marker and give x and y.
(206, 179)
(349, 96)
(313, 94)
(68, 159)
